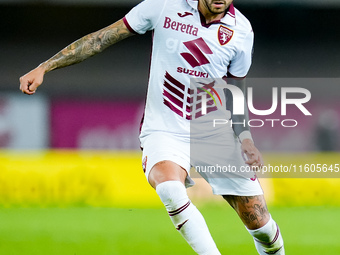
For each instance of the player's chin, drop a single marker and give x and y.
(218, 7)
(218, 10)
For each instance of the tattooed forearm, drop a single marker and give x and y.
(88, 46)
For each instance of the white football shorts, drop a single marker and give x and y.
(218, 161)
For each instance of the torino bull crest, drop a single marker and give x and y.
(224, 35)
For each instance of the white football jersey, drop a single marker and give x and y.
(185, 47)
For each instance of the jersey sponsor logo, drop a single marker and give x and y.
(224, 35)
(184, 14)
(192, 72)
(198, 48)
(180, 27)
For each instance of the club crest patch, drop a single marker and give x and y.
(224, 35)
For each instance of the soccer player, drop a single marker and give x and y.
(205, 39)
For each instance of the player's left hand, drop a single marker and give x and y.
(32, 80)
(254, 157)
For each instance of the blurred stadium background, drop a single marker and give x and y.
(70, 174)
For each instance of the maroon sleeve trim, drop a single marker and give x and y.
(128, 26)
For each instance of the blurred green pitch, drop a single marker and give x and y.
(67, 202)
(104, 231)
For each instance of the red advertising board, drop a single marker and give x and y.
(95, 124)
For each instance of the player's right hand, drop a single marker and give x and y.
(254, 156)
(32, 80)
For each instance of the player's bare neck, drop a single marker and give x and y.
(210, 18)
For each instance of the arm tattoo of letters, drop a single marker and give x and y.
(88, 46)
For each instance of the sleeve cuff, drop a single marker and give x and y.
(245, 135)
(128, 26)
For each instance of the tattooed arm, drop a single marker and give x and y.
(76, 52)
